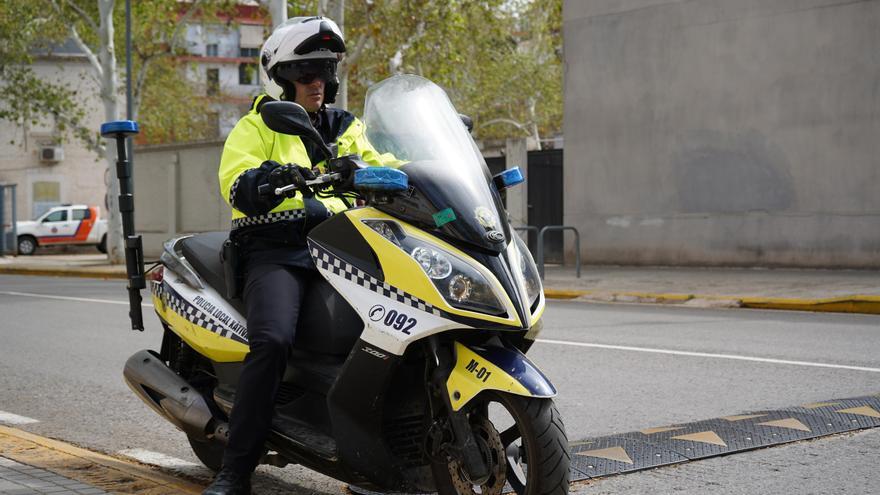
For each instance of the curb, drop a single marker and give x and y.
(89, 467)
(861, 304)
(63, 272)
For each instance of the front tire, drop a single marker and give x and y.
(535, 458)
(27, 244)
(102, 246)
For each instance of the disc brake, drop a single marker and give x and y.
(489, 443)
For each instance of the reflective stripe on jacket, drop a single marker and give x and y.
(251, 143)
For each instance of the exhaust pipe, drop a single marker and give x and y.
(172, 397)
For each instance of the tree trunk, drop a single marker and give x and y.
(336, 11)
(109, 97)
(278, 11)
(533, 118)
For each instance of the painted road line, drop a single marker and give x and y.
(68, 298)
(159, 459)
(710, 355)
(98, 470)
(15, 419)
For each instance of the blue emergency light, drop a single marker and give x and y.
(116, 127)
(508, 178)
(380, 179)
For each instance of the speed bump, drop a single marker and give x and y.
(618, 454)
(671, 444)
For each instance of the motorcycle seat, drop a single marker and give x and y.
(202, 251)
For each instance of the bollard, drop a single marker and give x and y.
(577, 247)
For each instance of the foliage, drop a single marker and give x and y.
(24, 97)
(499, 60)
(31, 28)
(173, 109)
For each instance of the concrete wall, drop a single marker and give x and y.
(724, 132)
(176, 191)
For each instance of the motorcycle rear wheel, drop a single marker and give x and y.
(535, 457)
(210, 453)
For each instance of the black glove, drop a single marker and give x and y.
(292, 174)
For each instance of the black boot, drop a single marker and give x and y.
(229, 482)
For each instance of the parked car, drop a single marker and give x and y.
(63, 225)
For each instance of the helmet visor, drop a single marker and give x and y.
(306, 71)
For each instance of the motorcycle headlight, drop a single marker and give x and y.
(528, 270)
(460, 284)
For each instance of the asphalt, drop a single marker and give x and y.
(845, 291)
(618, 368)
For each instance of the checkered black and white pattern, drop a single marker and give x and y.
(233, 190)
(327, 261)
(269, 218)
(175, 302)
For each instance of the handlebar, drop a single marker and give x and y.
(266, 189)
(319, 180)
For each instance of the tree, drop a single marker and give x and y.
(157, 33)
(25, 98)
(500, 61)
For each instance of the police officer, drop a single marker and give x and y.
(298, 63)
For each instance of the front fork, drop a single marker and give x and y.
(463, 444)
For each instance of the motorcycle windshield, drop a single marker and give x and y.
(451, 192)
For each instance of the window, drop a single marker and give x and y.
(213, 82)
(81, 214)
(247, 74)
(250, 52)
(211, 50)
(45, 195)
(56, 216)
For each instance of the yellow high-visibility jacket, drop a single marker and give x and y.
(251, 144)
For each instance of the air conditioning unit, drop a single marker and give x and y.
(51, 154)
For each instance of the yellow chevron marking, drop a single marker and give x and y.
(861, 411)
(661, 429)
(613, 453)
(789, 423)
(742, 417)
(702, 437)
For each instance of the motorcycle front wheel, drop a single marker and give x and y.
(524, 441)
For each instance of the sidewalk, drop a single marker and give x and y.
(852, 291)
(849, 291)
(35, 465)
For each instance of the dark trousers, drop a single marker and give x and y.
(273, 295)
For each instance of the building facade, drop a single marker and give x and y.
(222, 61)
(712, 132)
(47, 170)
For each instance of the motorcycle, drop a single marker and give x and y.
(408, 372)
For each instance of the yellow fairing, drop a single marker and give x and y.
(205, 342)
(472, 374)
(403, 272)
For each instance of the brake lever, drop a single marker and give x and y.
(317, 181)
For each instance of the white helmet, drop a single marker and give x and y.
(301, 47)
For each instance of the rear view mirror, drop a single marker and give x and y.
(467, 121)
(291, 118)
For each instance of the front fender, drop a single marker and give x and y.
(493, 368)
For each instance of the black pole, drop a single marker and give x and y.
(134, 250)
